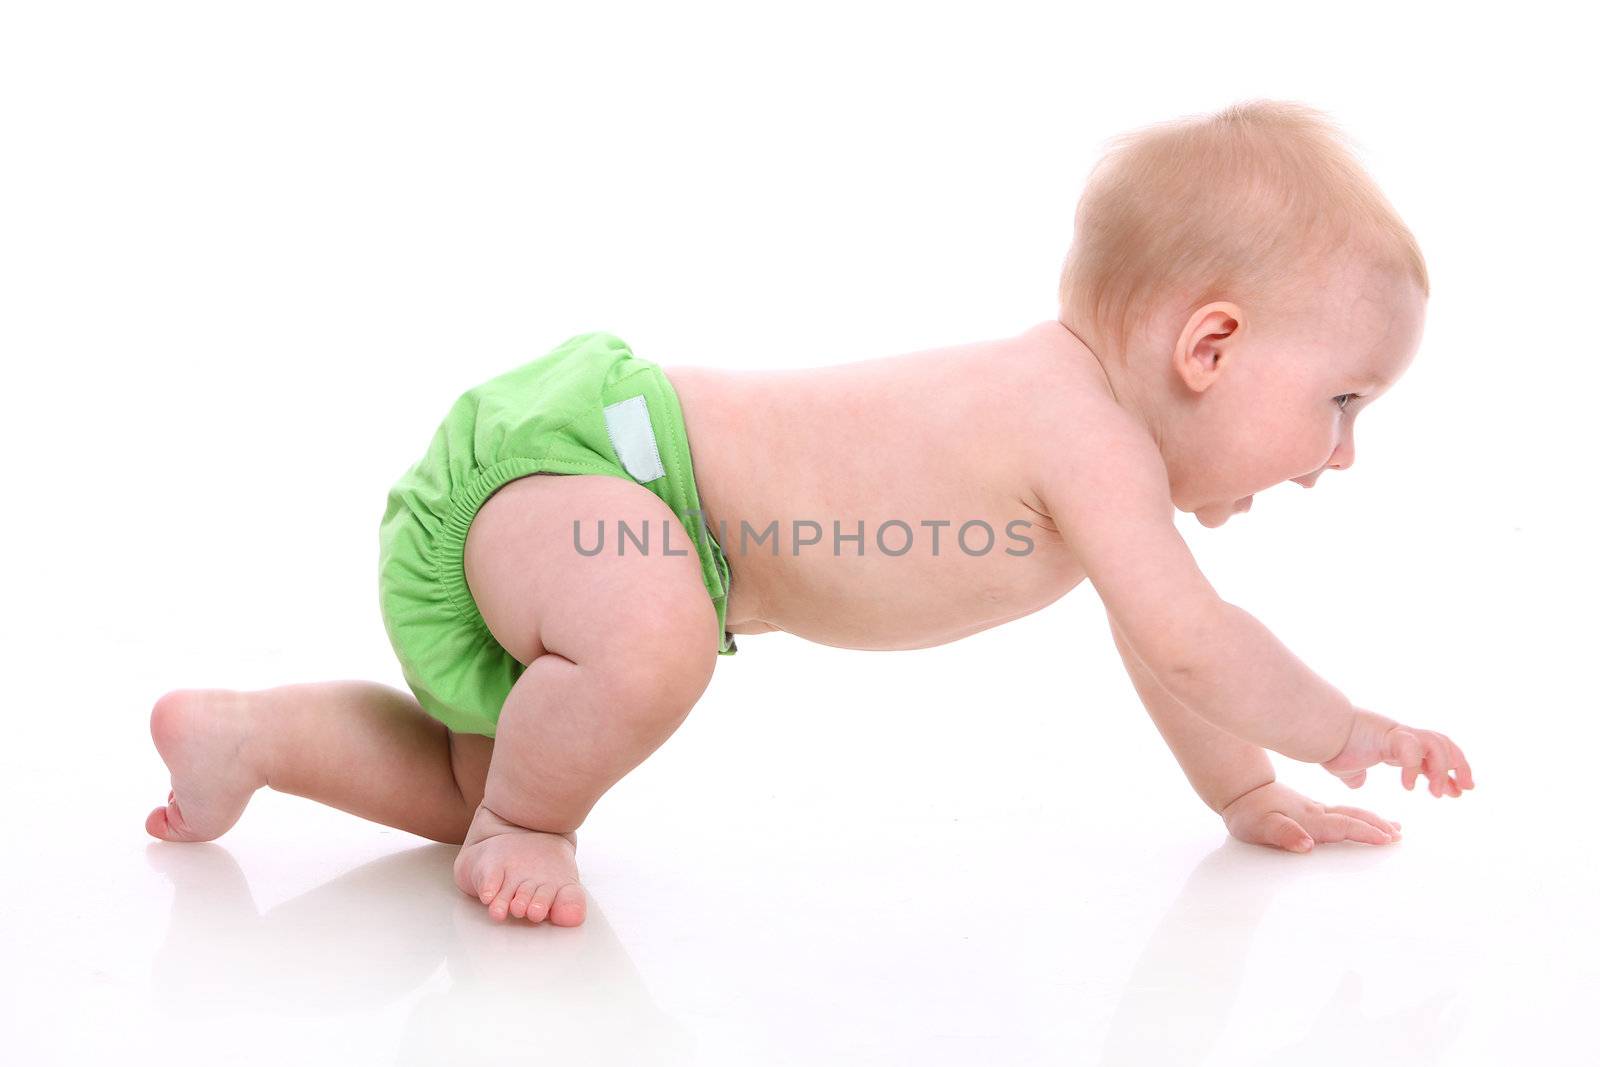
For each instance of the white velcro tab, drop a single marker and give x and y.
(633, 439)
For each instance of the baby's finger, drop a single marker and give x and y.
(1362, 813)
(1345, 828)
(1439, 781)
(1441, 757)
(1433, 765)
(1404, 750)
(1459, 761)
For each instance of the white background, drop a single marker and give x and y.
(248, 255)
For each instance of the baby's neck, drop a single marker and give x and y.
(1124, 383)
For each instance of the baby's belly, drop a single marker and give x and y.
(886, 598)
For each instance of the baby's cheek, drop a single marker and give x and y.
(1309, 447)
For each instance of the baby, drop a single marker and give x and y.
(558, 577)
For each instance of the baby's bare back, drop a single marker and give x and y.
(930, 456)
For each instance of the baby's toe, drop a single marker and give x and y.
(155, 824)
(501, 904)
(489, 883)
(568, 906)
(520, 899)
(167, 822)
(539, 902)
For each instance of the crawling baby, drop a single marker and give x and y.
(587, 533)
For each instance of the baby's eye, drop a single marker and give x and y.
(1344, 398)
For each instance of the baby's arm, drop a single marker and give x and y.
(1114, 512)
(1220, 766)
(1237, 781)
(1114, 509)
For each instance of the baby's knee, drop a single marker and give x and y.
(661, 661)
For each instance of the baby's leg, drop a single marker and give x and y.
(618, 647)
(361, 747)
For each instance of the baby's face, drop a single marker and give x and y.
(1288, 410)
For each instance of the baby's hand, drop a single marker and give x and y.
(1375, 739)
(1276, 815)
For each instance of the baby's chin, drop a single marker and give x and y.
(1213, 515)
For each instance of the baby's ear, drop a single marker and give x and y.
(1205, 345)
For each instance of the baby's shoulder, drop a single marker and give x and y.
(1066, 406)
(1076, 446)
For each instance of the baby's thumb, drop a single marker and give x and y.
(1353, 779)
(1404, 750)
(1280, 830)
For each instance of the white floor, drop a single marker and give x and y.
(925, 857)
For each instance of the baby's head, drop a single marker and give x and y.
(1249, 291)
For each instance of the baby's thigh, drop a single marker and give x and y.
(538, 592)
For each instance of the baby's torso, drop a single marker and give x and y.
(930, 456)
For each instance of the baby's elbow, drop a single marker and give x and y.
(1177, 674)
(1186, 647)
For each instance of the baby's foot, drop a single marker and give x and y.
(203, 735)
(525, 873)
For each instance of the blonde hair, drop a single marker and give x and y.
(1235, 205)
